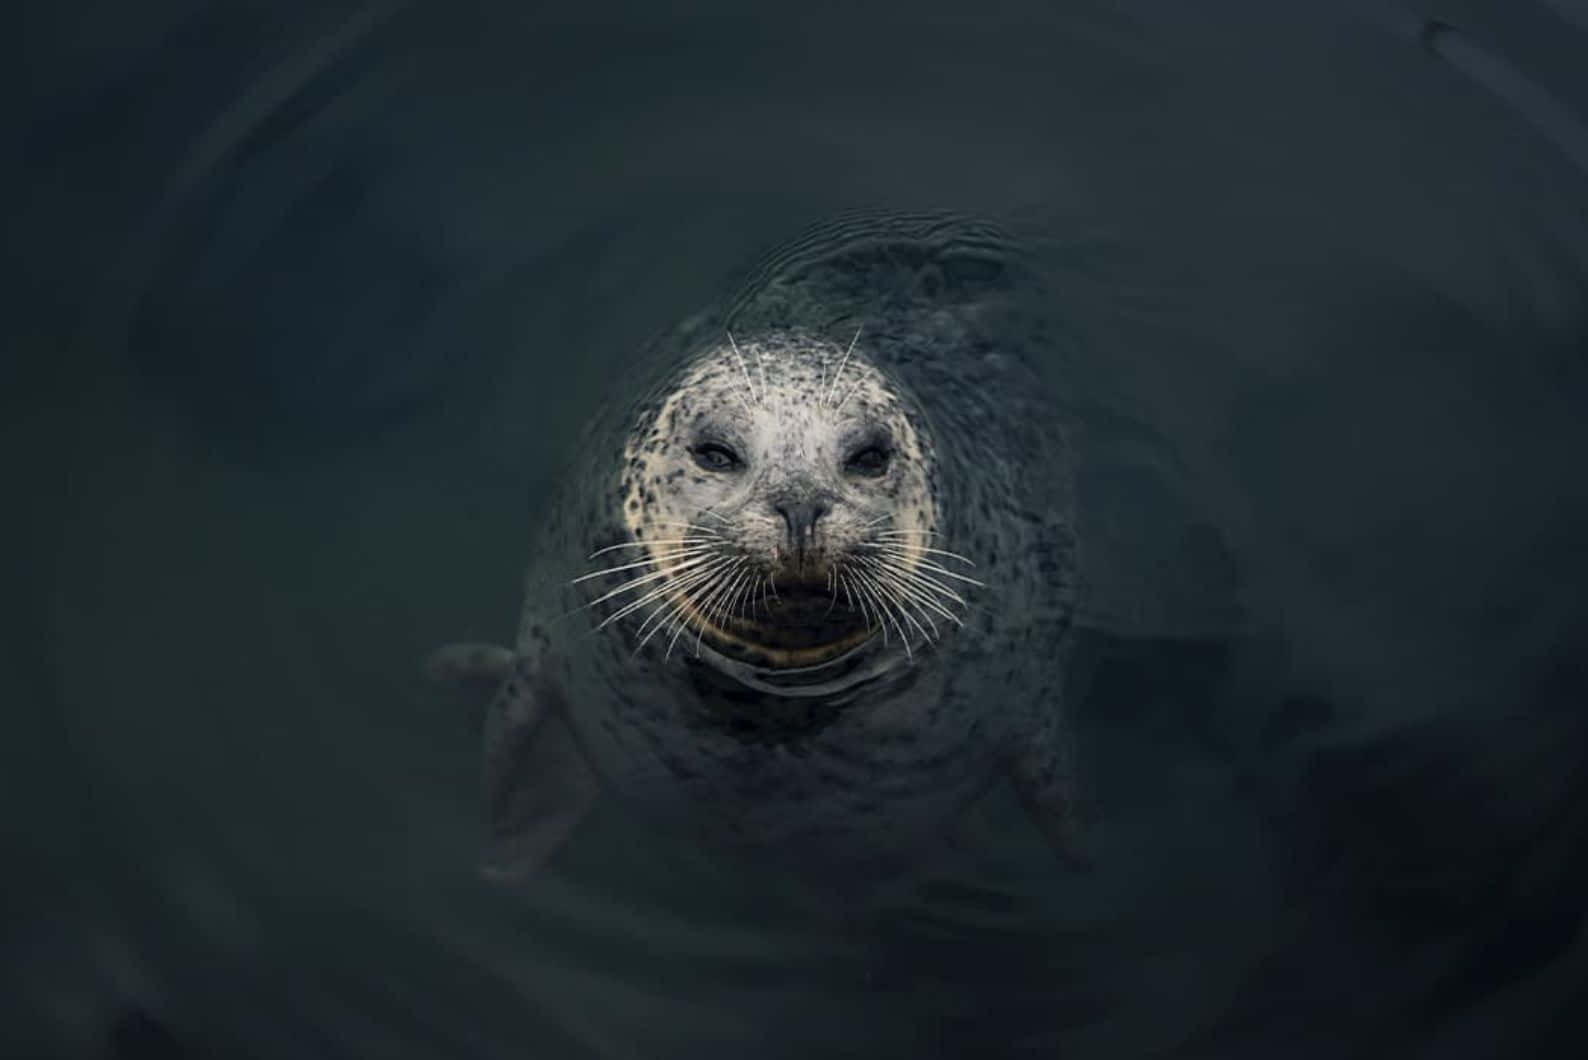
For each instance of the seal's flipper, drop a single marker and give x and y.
(538, 786)
(1045, 781)
(470, 665)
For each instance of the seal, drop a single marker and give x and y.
(808, 590)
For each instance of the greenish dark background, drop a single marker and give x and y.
(306, 302)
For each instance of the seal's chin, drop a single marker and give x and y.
(803, 624)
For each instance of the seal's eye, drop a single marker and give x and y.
(714, 456)
(870, 461)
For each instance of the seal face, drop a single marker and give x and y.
(782, 497)
(808, 592)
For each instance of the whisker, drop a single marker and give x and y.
(899, 611)
(670, 610)
(878, 594)
(688, 581)
(680, 615)
(915, 577)
(899, 608)
(737, 600)
(649, 561)
(676, 620)
(699, 569)
(724, 606)
(660, 609)
(849, 601)
(840, 373)
(746, 598)
(925, 593)
(736, 610)
(666, 602)
(724, 609)
(684, 553)
(849, 395)
(856, 601)
(870, 606)
(687, 526)
(718, 588)
(925, 603)
(904, 603)
(694, 601)
(745, 369)
(878, 598)
(644, 579)
(924, 564)
(907, 549)
(921, 599)
(659, 541)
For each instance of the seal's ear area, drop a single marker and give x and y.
(538, 786)
(481, 666)
(1044, 781)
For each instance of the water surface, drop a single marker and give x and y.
(309, 302)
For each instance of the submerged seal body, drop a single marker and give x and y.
(808, 590)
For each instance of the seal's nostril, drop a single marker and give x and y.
(800, 518)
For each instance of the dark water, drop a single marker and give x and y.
(306, 303)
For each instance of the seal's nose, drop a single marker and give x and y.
(800, 518)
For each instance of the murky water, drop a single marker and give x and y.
(308, 303)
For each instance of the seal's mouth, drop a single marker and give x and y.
(785, 619)
(796, 624)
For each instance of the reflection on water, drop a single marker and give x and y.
(309, 304)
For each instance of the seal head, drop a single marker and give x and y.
(782, 492)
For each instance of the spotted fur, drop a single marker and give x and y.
(795, 405)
